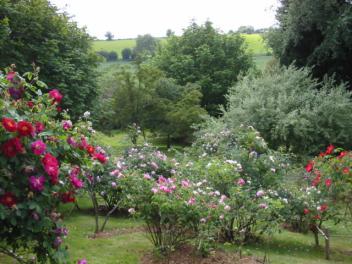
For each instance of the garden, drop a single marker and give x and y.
(187, 152)
(225, 193)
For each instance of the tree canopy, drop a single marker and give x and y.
(145, 47)
(35, 32)
(316, 33)
(204, 56)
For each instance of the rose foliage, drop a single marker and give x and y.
(44, 161)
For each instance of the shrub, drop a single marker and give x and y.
(109, 56)
(126, 54)
(287, 108)
(330, 173)
(175, 210)
(238, 163)
(41, 167)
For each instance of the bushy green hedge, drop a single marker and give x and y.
(292, 109)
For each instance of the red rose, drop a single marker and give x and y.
(39, 127)
(30, 104)
(317, 217)
(68, 197)
(100, 157)
(316, 180)
(309, 166)
(329, 149)
(306, 211)
(328, 182)
(9, 124)
(342, 154)
(49, 159)
(345, 170)
(55, 95)
(24, 128)
(51, 167)
(90, 149)
(12, 147)
(8, 199)
(323, 208)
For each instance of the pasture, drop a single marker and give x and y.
(254, 42)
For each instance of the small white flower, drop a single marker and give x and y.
(131, 211)
(86, 114)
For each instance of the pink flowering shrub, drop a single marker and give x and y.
(43, 163)
(150, 161)
(174, 209)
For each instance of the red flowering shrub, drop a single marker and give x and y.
(330, 187)
(331, 174)
(41, 165)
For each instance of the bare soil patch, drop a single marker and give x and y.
(186, 255)
(117, 232)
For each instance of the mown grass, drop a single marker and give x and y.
(129, 247)
(118, 141)
(295, 248)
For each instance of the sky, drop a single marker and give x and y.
(129, 18)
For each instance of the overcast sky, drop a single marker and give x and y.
(129, 18)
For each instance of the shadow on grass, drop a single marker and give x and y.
(297, 247)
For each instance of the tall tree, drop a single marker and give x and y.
(169, 33)
(145, 47)
(207, 57)
(35, 32)
(109, 36)
(316, 33)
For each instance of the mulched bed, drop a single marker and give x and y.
(186, 255)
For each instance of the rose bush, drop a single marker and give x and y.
(329, 181)
(175, 210)
(44, 159)
(239, 164)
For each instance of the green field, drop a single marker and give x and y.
(113, 45)
(254, 41)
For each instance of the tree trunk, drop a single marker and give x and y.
(107, 217)
(316, 237)
(96, 212)
(168, 143)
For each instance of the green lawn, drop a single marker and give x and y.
(129, 243)
(256, 44)
(117, 141)
(261, 60)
